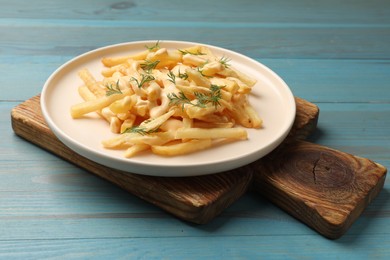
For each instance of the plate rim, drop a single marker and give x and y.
(140, 167)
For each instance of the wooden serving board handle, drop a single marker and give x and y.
(322, 187)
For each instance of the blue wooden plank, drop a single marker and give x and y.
(319, 80)
(316, 80)
(245, 247)
(250, 216)
(203, 23)
(263, 42)
(330, 52)
(279, 11)
(362, 129)
(51, 195)
(82, 224)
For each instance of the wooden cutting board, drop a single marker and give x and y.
(325, 189)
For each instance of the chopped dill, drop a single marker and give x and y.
(140, 130)
(179, 99)
(172, 77)
(183, 75)
(213, 98)
(111, 90)
(225, 61)
(154, 47)
(202, 98)
(198, 52)
(144, 79)
(148, 65)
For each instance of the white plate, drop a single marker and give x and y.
(271, 98)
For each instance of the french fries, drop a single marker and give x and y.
(182, 148)
(211, 133)
(95, 105)
(169, 102)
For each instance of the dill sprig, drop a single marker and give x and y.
(225, 61)
(154, 47)
(179, 99)
(111, 90)
(183, 75)
(148, 65)
(140, 130)
(200, 70)
(172, 77)
(213, 97)
(144, 79)
(203, 99)
(198, 52)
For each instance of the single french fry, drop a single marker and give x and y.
(171, 124)
(214, 118)
(119, 141)
(199, 112)
(128, 139)
(212, 68)
(196, 49)
(243, 113)
(156, 122)
(228, 84)
(159, 138)
(165, 58)
(124, 116)
(121, 68)
(123, 105)
(136, 149)
(240, 116)
(211, 133)
(205, 125)
(188, 122)
(153, 91)
(81, 109)
(171, 61)
(115, 125)
(242, 87)
(189, 91)
(91, 83)
(112, 61)
(193, 60)
(197, 77)
(128, 123)
(181, 148)
(255, 119)
(231, 72)
(87, 95)
(106, 113)
(207, 53)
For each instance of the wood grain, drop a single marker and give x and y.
(188, 11)
(196, 199)
(306, 119)
(324, 188)
(303, 42)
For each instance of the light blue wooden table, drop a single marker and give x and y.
(333, 53)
